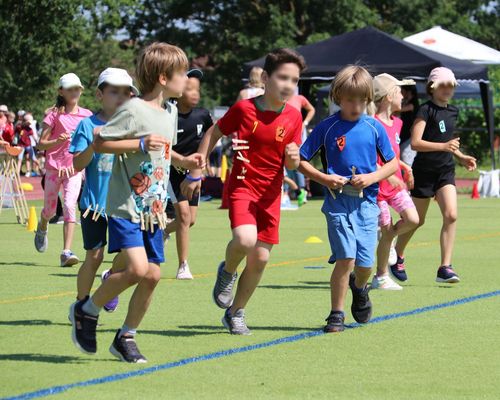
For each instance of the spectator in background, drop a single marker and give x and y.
(8, 129)
(300, 102)
(255, 85)
(3, 116)
(23, 132)
(408, 113)
(32, 166)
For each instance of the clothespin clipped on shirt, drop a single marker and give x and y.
(353, 169)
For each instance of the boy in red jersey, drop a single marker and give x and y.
(268, 132)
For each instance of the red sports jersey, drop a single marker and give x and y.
(259, 147)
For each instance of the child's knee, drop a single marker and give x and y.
(450, 217)
(153, 276)
(387, 231)
(136, 272)
(244, 243)
(95, 258)
(412, 220)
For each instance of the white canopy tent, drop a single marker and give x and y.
(445, 42)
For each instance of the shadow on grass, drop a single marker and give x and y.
(252, 327)
(61, 275)
(22, 264)
(44, 358)
(295, 287)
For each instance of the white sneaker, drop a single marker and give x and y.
(183, 273)
(385, 283)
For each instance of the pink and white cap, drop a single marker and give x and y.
(441, 75)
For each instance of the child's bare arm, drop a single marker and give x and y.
(331, 181)
(46, 143)
(418, 144)
(468, 162)
(362, 181)
(83, 158)
(151, 143)
(190, 162)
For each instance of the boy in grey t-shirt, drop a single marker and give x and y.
(142, 134)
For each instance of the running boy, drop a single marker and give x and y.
(268, 134)
(434, 169)
(114, 86)
(350, 142)
(393, 191)
(142, 132)
(193, 123)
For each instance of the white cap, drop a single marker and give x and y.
(70, 80)
(117, 77)
(384, 83)
(4, 108)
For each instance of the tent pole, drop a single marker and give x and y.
(487, 99)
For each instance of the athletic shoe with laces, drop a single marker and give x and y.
(111, 305)
(68, 259)
(125, 349)
(384, 282)
(334, 322)
(84, 327)
(236, 324)
(361, 307)
(41, 240)
(223, 288)
(446, 274)
(393, 255)
(184, 273)
(398, 270)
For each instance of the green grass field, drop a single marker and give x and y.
(448, 353)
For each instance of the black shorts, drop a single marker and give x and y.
(215, 157)
(427, 183)
(94, 232)
(174, 189)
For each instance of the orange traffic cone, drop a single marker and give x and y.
(475, 192)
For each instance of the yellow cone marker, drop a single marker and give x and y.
(313, 239)
(32, 221)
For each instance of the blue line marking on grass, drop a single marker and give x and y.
(224, 353)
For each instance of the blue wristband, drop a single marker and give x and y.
(141, 145)
(190, 178)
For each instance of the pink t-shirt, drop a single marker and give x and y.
(386, 191)
(298, 101)
(59, 156)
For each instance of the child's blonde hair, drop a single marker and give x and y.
(255, 78)
(352, 80)
(156, 59)
(373, 107)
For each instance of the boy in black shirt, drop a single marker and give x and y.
(434, 169)
(193, 123)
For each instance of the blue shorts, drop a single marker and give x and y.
(94, 232)
(125, 234)
(352, 228)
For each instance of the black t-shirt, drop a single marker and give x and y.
(408, 117)
(190, 130)
(439, 128)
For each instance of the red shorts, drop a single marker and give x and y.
(263, 213)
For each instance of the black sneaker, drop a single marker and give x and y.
(446, 274)
(236, 324)
(361, 307)
(125, 349)
(84, 328)
(223, 288)
(334, 322)
(398, 270)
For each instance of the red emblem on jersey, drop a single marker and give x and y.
(341, 142)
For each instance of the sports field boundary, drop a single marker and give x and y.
(237, 350)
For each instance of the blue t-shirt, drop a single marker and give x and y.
(98, 172)
(345, 144)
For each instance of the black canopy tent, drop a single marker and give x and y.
(380, 52)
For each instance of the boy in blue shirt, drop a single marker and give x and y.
(350, 142)
(114, 87)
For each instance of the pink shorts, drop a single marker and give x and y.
(400, 202)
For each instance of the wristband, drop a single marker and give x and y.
(141, 145)
(191, 179)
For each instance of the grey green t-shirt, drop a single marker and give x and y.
(139, 181)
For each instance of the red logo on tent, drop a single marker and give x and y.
(341, 142)
(429, 41)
